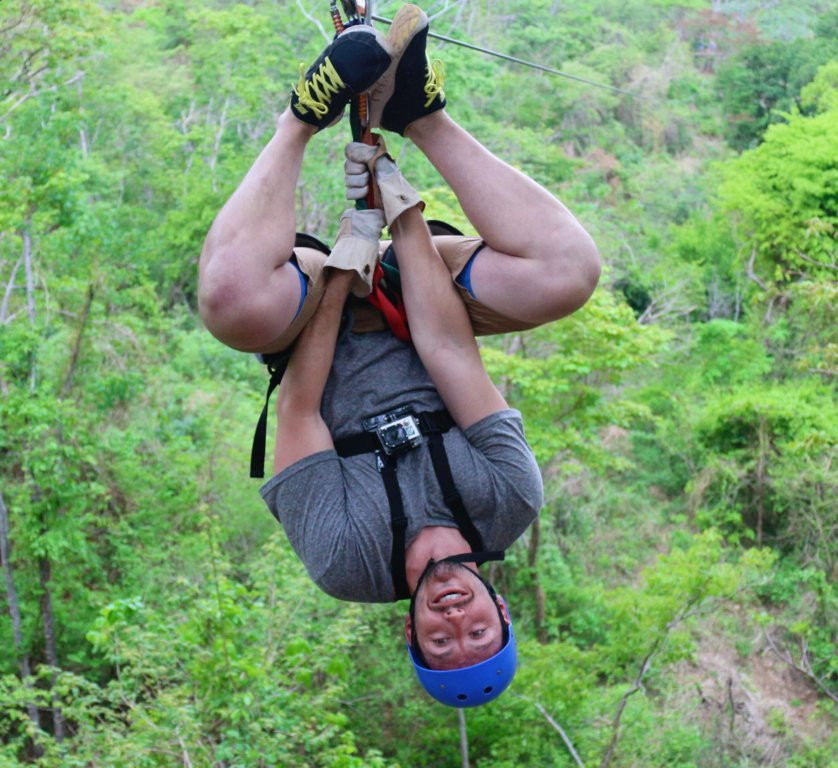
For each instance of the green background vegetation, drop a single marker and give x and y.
(676, 602)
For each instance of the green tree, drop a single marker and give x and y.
(756, 440)
(781, 199)
(762, 81)
(47, 47)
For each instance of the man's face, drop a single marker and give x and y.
(456, 620)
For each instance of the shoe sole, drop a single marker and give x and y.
(408, 21)
(353, 31)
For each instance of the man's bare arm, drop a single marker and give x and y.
(300, 430)
(440, 326)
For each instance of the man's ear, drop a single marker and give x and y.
(504, 612)
(408, 628)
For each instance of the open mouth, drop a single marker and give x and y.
(449, 597)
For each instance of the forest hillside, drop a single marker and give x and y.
(675, 604)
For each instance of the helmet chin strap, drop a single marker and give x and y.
(466, 557)
(474, 557)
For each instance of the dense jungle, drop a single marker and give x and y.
(675, 604)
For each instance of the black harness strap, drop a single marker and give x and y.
(367, 442)
(398, 523)
(450, 494)
(432, 424)
(257, 451)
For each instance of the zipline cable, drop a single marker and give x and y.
(515, 59)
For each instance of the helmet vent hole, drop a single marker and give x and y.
(462, 696)
(488, 689)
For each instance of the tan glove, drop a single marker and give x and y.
(395, 193)
(356, 248)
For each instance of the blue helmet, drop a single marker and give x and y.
(474, 685)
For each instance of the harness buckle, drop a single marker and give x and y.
(398, 431)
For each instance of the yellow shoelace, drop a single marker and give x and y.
(317, 93)
(435, 81)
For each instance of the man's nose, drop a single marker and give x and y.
(454, 613)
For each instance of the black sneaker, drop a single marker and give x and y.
(412, 86)
(349, 66)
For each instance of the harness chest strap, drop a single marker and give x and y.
(432, 424)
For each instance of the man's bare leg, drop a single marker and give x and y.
(247, 291)
(539, 263)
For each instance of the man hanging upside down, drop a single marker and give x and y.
(399, 467)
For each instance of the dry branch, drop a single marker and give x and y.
(565, 738)
(804, 667)
(751, 274)
(637, 685)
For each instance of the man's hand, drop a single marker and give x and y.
(392, 190)
(356, 248)
(356, 169)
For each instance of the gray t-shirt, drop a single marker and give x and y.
(335, 510)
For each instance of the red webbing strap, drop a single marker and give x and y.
(390, 305)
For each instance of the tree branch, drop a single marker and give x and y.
(805, 666)
(7, 295)
(669, 302)
(74, 357)
(637, 685)
(36, 92)
(326, 36)
(565, 738)
(187, 763)
(750, 269)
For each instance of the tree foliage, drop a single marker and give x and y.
(782, 195)
(761, 82)
(684, 419)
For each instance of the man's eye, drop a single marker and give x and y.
(478, 633)
(438, 641)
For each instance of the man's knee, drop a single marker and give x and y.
(225, 304)
(264, 315)
(588, 264)
(572, 276)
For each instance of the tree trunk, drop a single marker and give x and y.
(14, 608)
(30, 296)
(74, 357)
(7, 295)
(532, 562)
(45, 567)
(759, 491)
